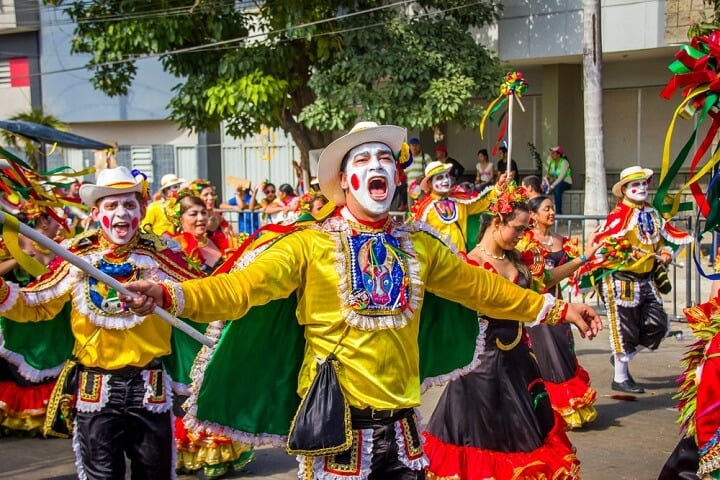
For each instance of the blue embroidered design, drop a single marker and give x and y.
(104, 298)
(379, 284)
(646, 224)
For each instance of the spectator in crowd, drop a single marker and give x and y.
(441, 155)
(532, 185)
(485, 170)
(502, 164)
(559, 175)
(248, 219)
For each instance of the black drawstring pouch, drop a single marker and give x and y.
(322, 423)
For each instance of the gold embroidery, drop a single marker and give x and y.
(157, 387)
(173, 307)
(612, 315)
(413, 444)
(347, 462)
(90, 384)
(514, 343)
(4, 290)
(554, 316)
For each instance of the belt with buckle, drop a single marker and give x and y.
(375, 414)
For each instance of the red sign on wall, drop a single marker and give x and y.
(19, 72)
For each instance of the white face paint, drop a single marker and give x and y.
(118, 216)
(637, 191)
(370, 178)
(441, 183)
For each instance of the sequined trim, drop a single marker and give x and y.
(615, 333)
(10, 293)
(556, 313)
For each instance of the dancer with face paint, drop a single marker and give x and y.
(352, 284)
(447, 210)
(634, 305)
(124, 402)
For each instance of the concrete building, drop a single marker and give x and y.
(542, 38)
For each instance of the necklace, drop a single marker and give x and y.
(496, 257)
(39, 248)
(548, 242)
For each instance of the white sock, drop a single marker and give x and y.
(621, 370)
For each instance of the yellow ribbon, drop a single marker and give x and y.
(12, 242)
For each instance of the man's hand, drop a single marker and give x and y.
(585, 318)
(665, 257)
(150, 294)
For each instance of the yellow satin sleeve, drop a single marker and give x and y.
(102, 347)
(379, 368)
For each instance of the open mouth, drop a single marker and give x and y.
(378, 188)
(121, 229)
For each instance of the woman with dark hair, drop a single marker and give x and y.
(567, 383)
(497, 421)
(485, 170)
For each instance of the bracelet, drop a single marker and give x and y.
(583, 258)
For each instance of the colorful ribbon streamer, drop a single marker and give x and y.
(697, 71)
(513, 84)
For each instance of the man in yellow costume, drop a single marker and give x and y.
(636, 238)
(447, 210)
(124, 402)
(356, 284)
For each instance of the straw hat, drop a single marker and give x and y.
(433, 168)
(111, 181)
(238, 183)
(630, 174)
(169, 180)
(332, 156)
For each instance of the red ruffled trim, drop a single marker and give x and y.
(555, 460)
(573, 393)
(17, 401)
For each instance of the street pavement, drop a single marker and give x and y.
(629, 441)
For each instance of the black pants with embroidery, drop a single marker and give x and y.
(125, 427)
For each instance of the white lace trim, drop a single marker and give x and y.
(459, 372)
(60, 288)
(90, 407)
(76, 449)
(337, 228)
(419, 463)
(112, 322)
(157, 407)
(26, 370)
(12, 297)
(547, 306)
(684, 240)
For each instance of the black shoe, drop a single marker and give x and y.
(612, 362)
(628, 386)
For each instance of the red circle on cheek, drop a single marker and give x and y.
(106, 222)
(354, 182)
(135, 222)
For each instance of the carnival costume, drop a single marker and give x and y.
(116, 349)
(632, 235)
(497, 421)
(27, 371)
(449, 213)
(200, 450)
(697, 454)
(359, 286)
(566, 381)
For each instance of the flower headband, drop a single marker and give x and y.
(508, 198)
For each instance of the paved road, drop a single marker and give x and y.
(630, 440)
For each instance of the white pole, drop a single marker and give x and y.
(509, 134)
(58, 250)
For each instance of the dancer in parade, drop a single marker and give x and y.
(123, 396)
(352, 289)
(497, 421)
(566, 381)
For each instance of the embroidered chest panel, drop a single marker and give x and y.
(103, 299)
(446, 210)
(378, 280)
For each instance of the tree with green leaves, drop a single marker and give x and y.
(309, 68)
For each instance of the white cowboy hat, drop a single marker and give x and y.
(630, 174)
(169, 180)
(433, 168)
(328, 174)
(111, 181)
